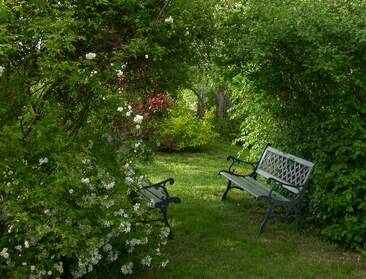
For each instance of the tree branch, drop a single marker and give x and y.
(166, 4)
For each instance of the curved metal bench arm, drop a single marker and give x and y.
(161, 184)
(236, 160)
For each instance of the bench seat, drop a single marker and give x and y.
(252, 186)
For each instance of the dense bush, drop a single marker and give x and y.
(73, 83)
(182, 129)
(300, 85)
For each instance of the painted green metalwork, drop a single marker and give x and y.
(158, 195)
(287, 180)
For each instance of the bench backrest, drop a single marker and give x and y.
(285, 167)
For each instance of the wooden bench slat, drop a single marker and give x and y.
(149, 196)
(253, 186)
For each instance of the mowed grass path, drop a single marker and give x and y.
(214, 239)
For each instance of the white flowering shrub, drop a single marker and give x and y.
(71, 76)
(71, 215)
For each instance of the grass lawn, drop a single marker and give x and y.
(214, 239)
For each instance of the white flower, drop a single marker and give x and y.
(107, 247)
(85, 180)
(59, 267)
(128, 114)
(43, 161)
(129, 107)
(90, 55)
(146, 56)
(110, 185)
(4, 253)
(71, 191)
(164, 232)
(132, 243)
(169, 20)
(32, 267)
(127, 268)
(126, 227)
(112, 257)
(26, 244)
(136, 207)
(94, 72)
(137, 144)
(138, 119)
(119, 109)
(120, 212)
(107, 203)
(49, 272)
(138, 126)
(2, 69)
(18, 247)
(107, 224)
(146, 261)
(119, 73)
(165, 263)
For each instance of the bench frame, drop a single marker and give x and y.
(163, 203)
(283, 171)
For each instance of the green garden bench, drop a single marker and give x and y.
(158, 196)
(284, 181)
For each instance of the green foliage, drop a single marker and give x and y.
(182, 129)
(300, 85)
(70, 73)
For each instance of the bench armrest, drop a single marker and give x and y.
(236, 160)
(161, 184)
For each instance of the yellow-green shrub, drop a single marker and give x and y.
(184, 130)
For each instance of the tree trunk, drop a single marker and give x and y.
(201, 107)
(221, 103)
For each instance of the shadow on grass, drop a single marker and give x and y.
(214, 239)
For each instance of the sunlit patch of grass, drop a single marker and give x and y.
(214, 239)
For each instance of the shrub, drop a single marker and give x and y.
(301, 87)
(64, 204)
(70, 72)
(183, 130)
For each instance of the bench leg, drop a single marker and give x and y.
(227, 190)
(268, 215)
(298, 218)
(164, 211)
